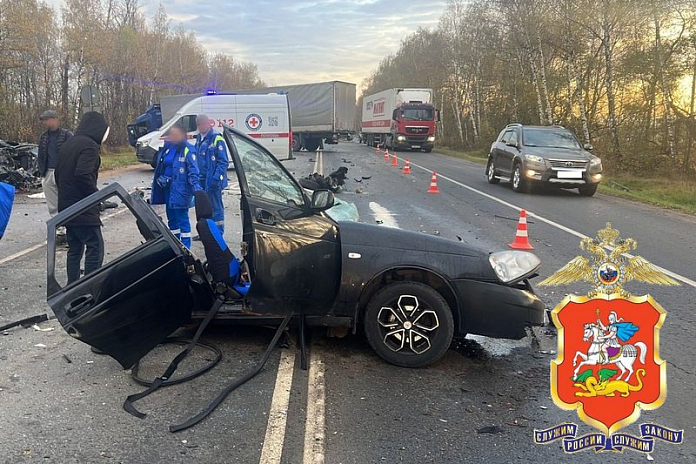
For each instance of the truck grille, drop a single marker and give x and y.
(416, 139)
(416, 130)
(567, 164)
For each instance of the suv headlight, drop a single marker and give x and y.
(512, 266)
(595, 161)
(534, 159)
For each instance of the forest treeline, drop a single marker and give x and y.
(619, 73)
(47, 55)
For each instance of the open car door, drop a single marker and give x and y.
(140, 295)
(292, 251)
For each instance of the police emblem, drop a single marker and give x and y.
(253, 122)
(608, 366)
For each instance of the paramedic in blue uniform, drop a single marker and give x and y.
(212, 165)
(176, 178)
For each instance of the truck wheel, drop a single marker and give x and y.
(588, 190)
(519, 183)
(409, 324)
(296, 143)
(311, 144)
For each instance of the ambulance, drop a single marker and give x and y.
(265, 118)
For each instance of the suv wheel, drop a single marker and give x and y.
(409, 324)
(490, 172)
(519, 183)
(588, 190)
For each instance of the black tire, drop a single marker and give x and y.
(490, 172)
(428, 150)
(432, 316)
(519, 183)
(588, 190)
(312, 144)
(296, 142)
(153, 163)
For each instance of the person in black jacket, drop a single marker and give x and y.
(76, 176)
(50, 144)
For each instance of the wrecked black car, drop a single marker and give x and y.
(411, 293)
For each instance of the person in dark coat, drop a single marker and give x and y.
(76, 177)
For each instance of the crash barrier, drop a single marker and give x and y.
(521, 241)
(407, 167)
(433, 184)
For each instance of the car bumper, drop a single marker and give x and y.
(498, 311)
(551, 177)
(414, 142)
(146, 154)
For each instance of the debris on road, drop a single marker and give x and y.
(19, 165)
(39, 329)
(67, 359)
(490, 429)
(26, 322)
(333, 181)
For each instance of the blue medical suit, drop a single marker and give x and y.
(176, 178)
(213, 162)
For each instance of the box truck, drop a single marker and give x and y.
(265, 118)
(320, 112)
(400, 119)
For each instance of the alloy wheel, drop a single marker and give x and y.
(407, 325)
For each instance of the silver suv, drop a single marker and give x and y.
(543, 155)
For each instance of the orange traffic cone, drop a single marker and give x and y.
(395, 161)
(377, 150)
(521, 241)
(433, 184)
(407, 168)
(386, 154)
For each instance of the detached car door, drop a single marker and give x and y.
(293, 253)
(141, 294)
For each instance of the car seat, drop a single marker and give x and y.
(223, 266)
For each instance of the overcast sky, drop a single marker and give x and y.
(299, 41)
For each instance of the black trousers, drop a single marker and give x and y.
(83, 238)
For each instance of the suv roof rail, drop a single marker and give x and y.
(514, 124)
(559, 126)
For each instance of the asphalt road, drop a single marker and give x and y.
(350, 407)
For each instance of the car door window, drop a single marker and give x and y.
(189, 122)
(506, 137)
(265, 177)
(512, 137)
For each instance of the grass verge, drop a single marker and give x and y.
(117, 157)
(679, 195)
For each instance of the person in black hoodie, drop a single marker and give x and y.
(76, 177)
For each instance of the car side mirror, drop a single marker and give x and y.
(588, 147)
(394, 114)
(513, 143)
(322, 200)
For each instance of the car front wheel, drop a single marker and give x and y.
(519, 184)
(409, 324)
(588, 190)
(490, 172)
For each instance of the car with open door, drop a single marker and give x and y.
(411, 293)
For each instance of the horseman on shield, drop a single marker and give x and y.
(613, 332)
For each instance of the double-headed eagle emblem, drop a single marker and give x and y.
(609, 267)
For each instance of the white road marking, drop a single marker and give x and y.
(384, 215)
(314, 439)
(278, 415)
(674, 275)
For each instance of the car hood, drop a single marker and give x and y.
(382, 247)
(559, 153)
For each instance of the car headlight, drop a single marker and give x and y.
(144, 143)
(431, 138)
(400, 138)
(534, 159)
(595, 161)
(512, 266)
